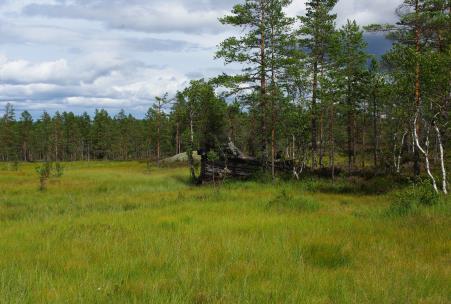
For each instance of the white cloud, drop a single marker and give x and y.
(152, 17)
(367, 11)
(95, 82)
(78, 54)
(22, 71)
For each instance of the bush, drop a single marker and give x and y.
(409, 200)
(44, 174)
(285, 202)
(427, 195)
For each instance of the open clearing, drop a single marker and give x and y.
(113, 233)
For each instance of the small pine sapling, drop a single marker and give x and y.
(44, 174)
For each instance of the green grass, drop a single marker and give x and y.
(112, 233)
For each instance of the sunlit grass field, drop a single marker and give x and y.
(114, 233)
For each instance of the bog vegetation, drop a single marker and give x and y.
(363, 216)
(307, 91)
(113, 232)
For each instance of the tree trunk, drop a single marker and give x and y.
(314, 114)
(332, 140)
(263, 84)
(177, 139)
(158, 132)
(416, 165)
(442, 160)
(399, 154)
(321, 139)
(375, 131)
(425, 152)
(293, 156)
(363, 148)
(350, 140)
(354, 139)
(190, 150)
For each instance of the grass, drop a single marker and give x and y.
(113, 233)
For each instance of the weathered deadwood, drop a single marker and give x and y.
(232, 163)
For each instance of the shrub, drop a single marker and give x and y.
(427, 195)
(284, 202)
(410, 199)
(44, 174)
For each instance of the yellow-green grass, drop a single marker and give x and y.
(113, 233)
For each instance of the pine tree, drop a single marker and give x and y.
(122, 134)
(316, 33)
(158, 107)
(351, 59)
(101, 133)
(25, 135)
(43, 135)
(8, 134)
(57, 136)
(84, 125)
(179, 115)
(264, 27)
(72, 138)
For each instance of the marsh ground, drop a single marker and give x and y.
(114, 233)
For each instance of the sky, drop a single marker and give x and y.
(79, 55)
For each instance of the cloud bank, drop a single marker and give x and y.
(84, 54)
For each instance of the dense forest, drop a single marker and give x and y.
(308, 91)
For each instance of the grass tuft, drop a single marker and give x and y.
(286, 202)
(326, 255)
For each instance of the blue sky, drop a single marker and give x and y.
(80, 55)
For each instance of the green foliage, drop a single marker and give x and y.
(208, 113)
(8, 134)
(44, 172)
(212, 155)
(408, 201)
(47, 170)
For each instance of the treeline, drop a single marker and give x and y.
(163, 132)
(307, 91)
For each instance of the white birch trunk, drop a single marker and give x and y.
(425, 152)
(442, 160)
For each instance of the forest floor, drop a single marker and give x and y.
(113, 233)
